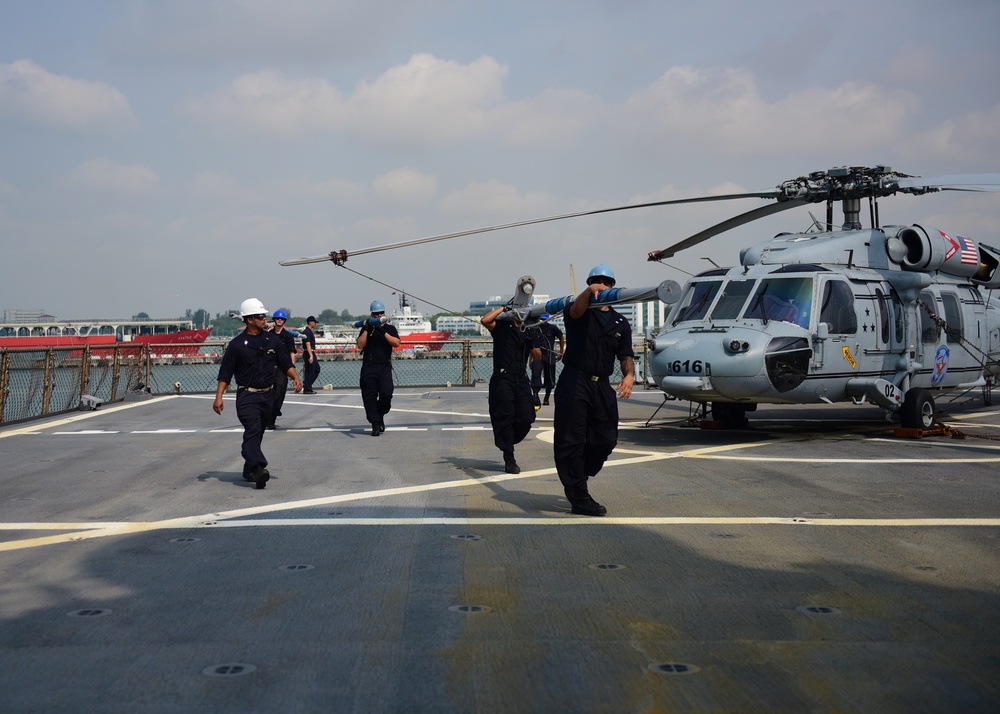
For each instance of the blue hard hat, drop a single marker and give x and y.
(602, 270)
(376, 306)
(280, 314)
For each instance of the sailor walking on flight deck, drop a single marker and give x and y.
(254, 357)
(376, 342)
(586, 409)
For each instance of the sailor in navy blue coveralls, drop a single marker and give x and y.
(586, 409)
(512, 409)
(376, 343)
(253, 357)
(280, 379)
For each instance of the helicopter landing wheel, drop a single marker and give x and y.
(917, 411)
(731, 416)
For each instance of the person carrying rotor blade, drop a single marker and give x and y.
(254, 357)
(376, 342)
(512, 411)
(586, 409)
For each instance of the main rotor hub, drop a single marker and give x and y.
(854, 182)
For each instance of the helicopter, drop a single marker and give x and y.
(889, 315)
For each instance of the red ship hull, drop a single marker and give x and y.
(431, 340)
(185, 342)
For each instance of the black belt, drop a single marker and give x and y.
(589, 377)
(254, 389)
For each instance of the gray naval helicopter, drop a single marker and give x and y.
(890, 315)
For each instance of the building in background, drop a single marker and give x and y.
(651, 314)
(22, 316)
(460, 325)
(481, 307)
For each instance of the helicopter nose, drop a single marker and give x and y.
(740, 364)
(705, 366)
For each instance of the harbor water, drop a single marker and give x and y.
(37, 384)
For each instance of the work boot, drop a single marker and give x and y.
(582, 503)
(261, 476)
(510, 465)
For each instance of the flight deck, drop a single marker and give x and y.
(811, 562)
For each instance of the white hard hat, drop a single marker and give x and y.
(252, 306)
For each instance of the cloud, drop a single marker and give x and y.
(427, 102)
(7, 189)
(493, 198)
(724, 111)
(328, 191)
(33, 94)
(406, 186)
(556, 116)
(220, 189)
(206, 33)
(270, 103)
(108, 175)
(970, 139)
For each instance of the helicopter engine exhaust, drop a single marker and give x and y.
(928, 249)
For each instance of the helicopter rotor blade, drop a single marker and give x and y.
(953, 182)
(729, 224)
(306, 261)
(341, 256)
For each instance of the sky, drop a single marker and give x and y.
(165, 156)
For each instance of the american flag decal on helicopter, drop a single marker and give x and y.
(970, 256)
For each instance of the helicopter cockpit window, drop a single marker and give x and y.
(696, 301)
(782, 300)
(837, 308)
(928, 311)
(953, 317)
(734, 296)
(970, 295)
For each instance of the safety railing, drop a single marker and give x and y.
(41, 382)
